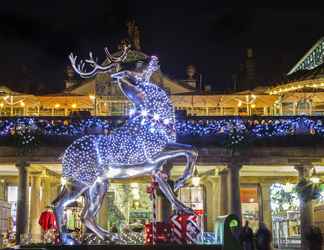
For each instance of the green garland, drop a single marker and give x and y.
(307, 190)
(26, 139)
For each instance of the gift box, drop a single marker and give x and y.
(185, 229)
(163, 233)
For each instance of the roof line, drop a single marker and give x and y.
(305, 56)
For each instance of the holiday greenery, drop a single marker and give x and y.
(238, 131)
(307, 190)
(283, 198)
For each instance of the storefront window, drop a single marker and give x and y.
(250, 206)
(129, 206)
(12, 199)
(194, 198)
(285, 213)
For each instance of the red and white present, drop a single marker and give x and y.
(163, 231)
(185, 229)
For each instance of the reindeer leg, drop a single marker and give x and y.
(177, 150)
(70, 192)
(169, 194)
(93, 200)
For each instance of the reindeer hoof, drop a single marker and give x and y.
(67, 239)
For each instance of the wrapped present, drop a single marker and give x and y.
(185, 229)
(163, 233)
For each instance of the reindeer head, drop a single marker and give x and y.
(113, 63)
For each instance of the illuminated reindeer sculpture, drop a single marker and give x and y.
(138, 148)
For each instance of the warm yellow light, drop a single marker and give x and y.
(22, 104)
(253, 105)
(315, 179)
(1, 105)
(195, 181)
(63, 181)
(73, 105)
(6, 97)
(92, 97)
(57, 105)
(253, 96)
(239, 104)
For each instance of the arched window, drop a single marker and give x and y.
(303, 107)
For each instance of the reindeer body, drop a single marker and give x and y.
(139, 147)
(136, 142)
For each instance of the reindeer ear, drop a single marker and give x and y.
(132, 92)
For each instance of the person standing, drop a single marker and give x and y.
(263, 237)
(247, 237)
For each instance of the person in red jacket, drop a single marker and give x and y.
(47, 221)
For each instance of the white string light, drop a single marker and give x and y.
(143, 135)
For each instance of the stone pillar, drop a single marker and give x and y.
(35, 208)
(306, 208)
(266, 205)
(234, 201)
(223, 192)
(22, 201)
(47, 192)
(211, 199)
(103, 213)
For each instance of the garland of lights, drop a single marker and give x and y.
(275, 127)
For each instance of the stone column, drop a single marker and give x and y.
(103, 213)
(211, 199)
(22, 201)
(47, 192)
(35, 207)
(223, 192)
(306, 208)
(266, 205)
(234, 201)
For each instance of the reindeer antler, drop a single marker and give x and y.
(113, 62)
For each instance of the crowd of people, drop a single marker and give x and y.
(262, 239)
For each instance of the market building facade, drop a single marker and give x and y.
(254, 146)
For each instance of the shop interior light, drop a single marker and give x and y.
(22, 104)
(57, 105)
(315, 178)
(92, 97)
(1, 105)
(195, 178)
(63, 181)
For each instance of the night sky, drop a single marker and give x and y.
(35, 39)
